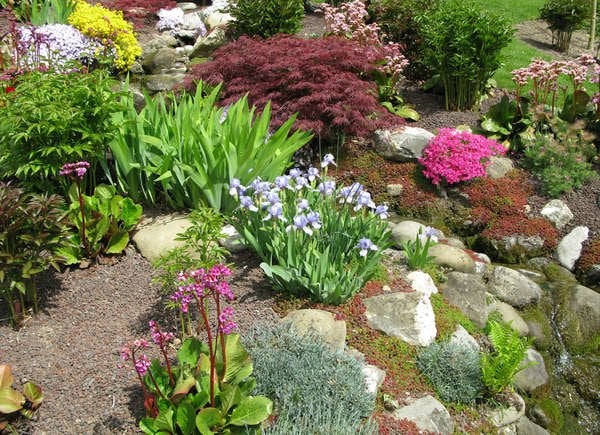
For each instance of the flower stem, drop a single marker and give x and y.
(82, 210)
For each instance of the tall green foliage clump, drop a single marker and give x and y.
(266, 18)
(462, 43)
(563, 18)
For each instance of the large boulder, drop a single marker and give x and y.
(428, 414)
(403, 144)
(163, 61)
(321, 324)
(534, 375)
(569, 248)
(514, 248)
(451, 256)
(467, 291)
(579, 318)
(156, 236)
(462, 338)
(408, 316)
(405, 231)
(528, 427)
(557, 212)
(513, 287)
(421, 282)
(205, 45)
(162, 82)
(509, 315)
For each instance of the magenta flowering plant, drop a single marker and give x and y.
(454, 156)
(209, 389)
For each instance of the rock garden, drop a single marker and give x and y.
(290, 217)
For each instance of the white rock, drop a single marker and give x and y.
(402, 144)
(569, 248)
(499, 167)
(217, 19)
(463, 338)
(428, 414)
(231, 240)
(157, 236)
(421, 282)
(510, 315)
(374, 377)
(320, 323)
(534, 374)
(456, 258)
(557, 212)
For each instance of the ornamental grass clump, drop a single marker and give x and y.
(314, 238)
(461, 43)
(454, 156)
(208, 388)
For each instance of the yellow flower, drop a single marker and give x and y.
(110, 28)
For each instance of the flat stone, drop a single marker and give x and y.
(569, 248)
(374, 378)
(205, 45)
(499, 167)
(507, 416)
(408, 316)
(321, 324)
(534, 375)
(467, 291)
(428, 414)
(421, 282)
(451, 256)
(407, 230)
(583, 314)
(394, 189)
(461, 337)
(513, 287)
(557, 212)
(231, 240)
(402, 144)
(528, 427)
(510, 315)
(163, 82)
(157, 237)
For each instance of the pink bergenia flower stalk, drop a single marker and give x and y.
(161, 339)
(76, 171)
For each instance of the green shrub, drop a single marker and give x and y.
(187, 152)
(266, 18)
(462, 43)
(51, 11)
(397, 20)
(500, 367)
(315, 390)
(563, 18)
(32, 228)
(454, 370)
(560, 158)
(51, 119)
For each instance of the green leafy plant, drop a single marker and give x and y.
(462, 43)
(563, 18)
(200, 249)
(51, 11)
(500, 367)
(266, 18)
(187, 151)
(313, 239)
(315, 390)
(52, 118)
(13, 401)
(32, 230)
(417, 251)
(560, 158)
(508, 121)
(103, 221)
(454, 370)
(208, 391)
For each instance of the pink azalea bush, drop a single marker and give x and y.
(453, 156)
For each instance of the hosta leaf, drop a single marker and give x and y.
(207, 419)
(251, 411)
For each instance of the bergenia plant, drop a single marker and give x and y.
(76, 171)
(417, 251)
(208, 390)
(315, 238)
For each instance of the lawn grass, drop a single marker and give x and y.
(516, 12)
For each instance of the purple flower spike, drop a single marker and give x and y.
(76, 170)
(142, 364)
(226, 323)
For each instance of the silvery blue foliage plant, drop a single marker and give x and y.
(56, 46)
(315, 238)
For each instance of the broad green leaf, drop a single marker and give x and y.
(164, 420)
(229, 397)
(207, 419)
(251, 411)
(117, 242)
(6, 377)
(182, 388)
(33, 393)
(190, 351)
(239, 364)
(10, 401)
(186, 418)
(148, 426)
(130, 213)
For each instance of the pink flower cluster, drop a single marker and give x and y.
(545, 75)
(159, 337)
(77, 169)
(198, 284)
(349, 21)
(141, 362)
(453, 156)
(226, 323)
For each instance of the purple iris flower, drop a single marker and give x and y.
(365, 245)
(364, 200)
(328, 160)
(382, 211)
(246, 202)
(312, 173)
(275, 212)
(326, 188)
